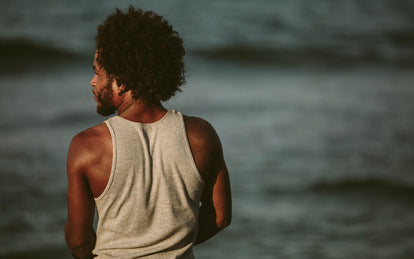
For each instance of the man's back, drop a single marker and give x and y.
(186, 152)
(151, 201)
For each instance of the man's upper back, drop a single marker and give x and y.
(95, 151)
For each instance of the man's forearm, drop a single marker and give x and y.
(81, 248)
(208, 226)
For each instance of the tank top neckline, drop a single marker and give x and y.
(147, 123)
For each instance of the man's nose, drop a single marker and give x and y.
(93, 81)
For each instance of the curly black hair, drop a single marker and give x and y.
(141, 51)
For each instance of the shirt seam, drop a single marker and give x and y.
(114, 158)
(190, 155)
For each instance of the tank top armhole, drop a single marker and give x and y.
(111, 176)
(190, 156)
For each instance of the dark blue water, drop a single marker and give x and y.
(313, 102)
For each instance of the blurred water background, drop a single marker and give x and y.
(313, 100)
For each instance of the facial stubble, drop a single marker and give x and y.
(105, 106)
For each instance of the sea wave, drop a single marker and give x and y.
(366, 186)
(42, 252)
(301, 56)
(20, 54)
(60, 120)
(369, 187)
(11, 49)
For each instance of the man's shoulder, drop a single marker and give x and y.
(91, 137)
(202, 136)
(92, 133)
(205, 145)
(199, 128)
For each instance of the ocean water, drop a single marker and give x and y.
(313, 102)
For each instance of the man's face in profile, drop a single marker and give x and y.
(102, 89)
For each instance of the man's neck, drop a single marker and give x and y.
(140, 111)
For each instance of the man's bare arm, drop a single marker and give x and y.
(215, 212)
(79, 233)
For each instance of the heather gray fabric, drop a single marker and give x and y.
(150, 205)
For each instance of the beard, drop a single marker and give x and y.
(104, 101)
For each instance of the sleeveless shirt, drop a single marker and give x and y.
(150, 205)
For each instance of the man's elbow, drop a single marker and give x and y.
(223, 222)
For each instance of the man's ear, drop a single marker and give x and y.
(120, 89)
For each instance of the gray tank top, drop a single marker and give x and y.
(150, 205)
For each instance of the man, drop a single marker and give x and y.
(149, 168)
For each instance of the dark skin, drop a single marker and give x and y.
(90, 159)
